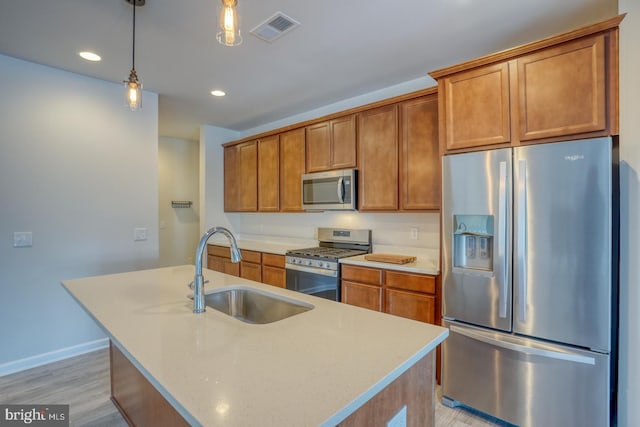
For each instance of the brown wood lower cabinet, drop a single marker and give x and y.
(137, 400)
(367, 296)
(273, 272)
(257, 266)
(403, 294)
(251, 265)
(141, 404)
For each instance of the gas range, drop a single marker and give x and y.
(316, 270)
(321, 257)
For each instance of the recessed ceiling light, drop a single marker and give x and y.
(218, 92)
(90, 56)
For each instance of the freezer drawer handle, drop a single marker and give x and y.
(502, 243)
(533, 351)
(522, 241)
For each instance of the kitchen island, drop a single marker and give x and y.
(335, 364)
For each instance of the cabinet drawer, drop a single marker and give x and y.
(410, 305)
(273, 260)
(368, 275)
(250, 256)
(366, 296)
(411, 282)
(221, 251)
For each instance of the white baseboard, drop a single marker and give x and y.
(52, 356)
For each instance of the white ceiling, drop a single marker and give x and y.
(342, 49)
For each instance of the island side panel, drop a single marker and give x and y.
(414, 389)
(136, 399)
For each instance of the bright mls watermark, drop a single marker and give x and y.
(34, 415)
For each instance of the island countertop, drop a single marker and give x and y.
(314, 368)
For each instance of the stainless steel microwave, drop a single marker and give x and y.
(330, 191)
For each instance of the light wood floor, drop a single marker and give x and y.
(83, 383)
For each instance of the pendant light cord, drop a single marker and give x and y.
(133, 59)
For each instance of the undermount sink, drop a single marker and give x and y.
(253, 305)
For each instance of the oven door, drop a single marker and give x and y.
(313, 281)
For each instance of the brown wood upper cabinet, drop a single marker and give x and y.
(292, 149)
(269, 174)
(378, 158)
(562, 87)
(240, 177)
(331, 144)
(419, 157)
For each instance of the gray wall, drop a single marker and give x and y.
(629, 375)
(80, 171)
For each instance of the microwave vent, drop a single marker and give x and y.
(275, 27)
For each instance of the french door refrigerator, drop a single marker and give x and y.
(530, 282)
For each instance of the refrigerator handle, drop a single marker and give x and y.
(532, 351)
(502, 242)
(522, 240)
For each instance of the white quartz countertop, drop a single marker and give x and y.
(422, 264)
(314, 368)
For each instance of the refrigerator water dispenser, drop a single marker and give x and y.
(473, 242)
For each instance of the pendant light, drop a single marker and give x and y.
(133, 86)
(229, 31)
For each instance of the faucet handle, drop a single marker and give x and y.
(192, 285)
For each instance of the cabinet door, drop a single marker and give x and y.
(231, 187)
(343, 142)
(410, 305)
(215, 263)
(269, 174)
(378, 157)
(248, 177)
(274, 276)
(241, 177)
(562, 90)
(291, 170)
(232, 268)
(361, 295)
(476, 107)
(318, 144)
(419, 155)
(251, 271)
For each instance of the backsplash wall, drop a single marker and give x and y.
(388, 229)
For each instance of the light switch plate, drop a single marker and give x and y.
(22, 239)
(139, 234)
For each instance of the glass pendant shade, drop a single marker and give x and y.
(229, 31)
(133, 91)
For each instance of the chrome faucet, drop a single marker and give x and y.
(198, 281)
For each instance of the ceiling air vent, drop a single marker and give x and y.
(275, 27)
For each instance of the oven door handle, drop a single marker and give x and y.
(331, 273)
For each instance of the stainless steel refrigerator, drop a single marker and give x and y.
(530, 282)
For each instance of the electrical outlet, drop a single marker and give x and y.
(22, 239)
(414, 233)
(139, 234)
